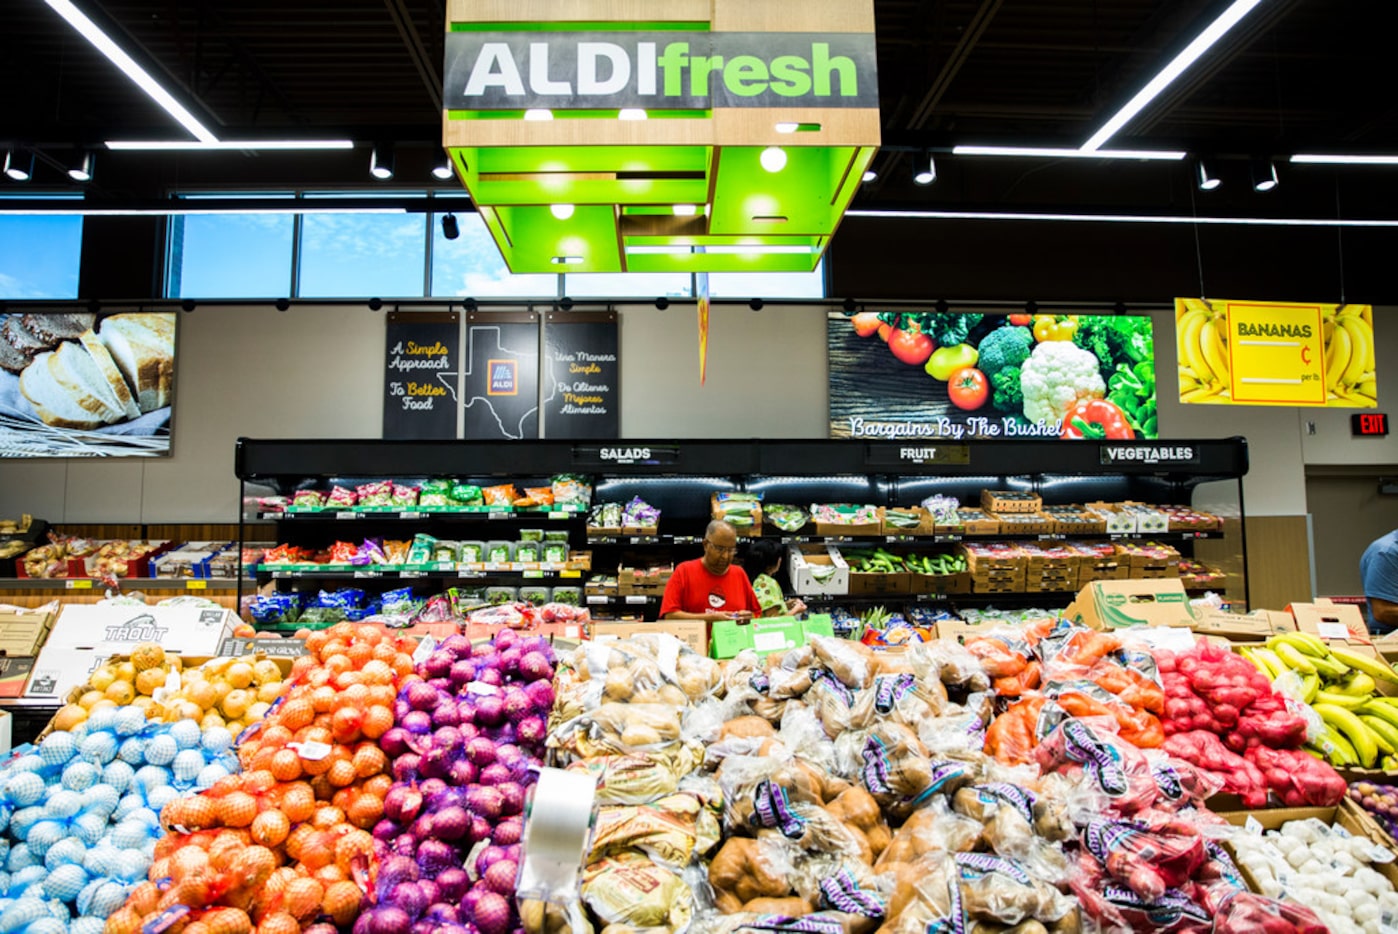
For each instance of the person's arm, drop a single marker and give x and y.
(1384, 612)
(709, 617)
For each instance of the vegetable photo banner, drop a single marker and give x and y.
(1275, 353)
(953, 375)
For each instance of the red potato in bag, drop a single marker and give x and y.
(1112, 767)
(1150, 857)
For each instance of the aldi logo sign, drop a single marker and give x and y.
(504, 378)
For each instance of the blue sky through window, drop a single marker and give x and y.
(40, 256)
(363, 255)
(231, 255)
(471, 266)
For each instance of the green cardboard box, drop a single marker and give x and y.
(764, 636)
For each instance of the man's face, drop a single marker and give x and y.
(719, 548)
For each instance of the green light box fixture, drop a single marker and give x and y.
(606, 136)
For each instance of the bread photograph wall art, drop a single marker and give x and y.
(83, 384)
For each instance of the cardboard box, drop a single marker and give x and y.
(1119, 521)
(901, 582)
(978, 522)
(1335, 622)
(1109, 604)
(1024, 523)
(181, 630)
(692, 632)
(14, 674)
(478, 631)
(86, 634)
(1255, 627)
(764, 636)
(942, 583)
(800, 561)
(1347, 814)
(925, 525)
(1010, 501)
(23, 633)
(643, 582)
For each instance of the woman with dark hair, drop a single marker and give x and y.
(763, 560)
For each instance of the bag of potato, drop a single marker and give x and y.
(906, 700)
(760, 792)
(899, 774)
(745, 868)
(949, 663)
(930, 831)
(672, 830)
(636, 778)
(1002, 891)
(619, 728)
(957, 734)
(840, 708)
(630, 889)
(850, 662)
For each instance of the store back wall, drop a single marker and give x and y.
(318, 373)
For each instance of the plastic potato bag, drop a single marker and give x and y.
(671, 830)
(1108, 767)
(630, 889)
(850, 662)
(930, 831)
(1149, 857)
(629, 779)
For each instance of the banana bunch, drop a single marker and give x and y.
(1202, 350)
(1349, 355)
(1341, 686)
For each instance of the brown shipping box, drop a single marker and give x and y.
(1337, 622)
(692, 632)
(1115, 604)
(1347, 815)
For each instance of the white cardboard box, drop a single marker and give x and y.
(182, 630)
(799, 562)
(85, 635)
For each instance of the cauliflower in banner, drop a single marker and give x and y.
(1057, 376)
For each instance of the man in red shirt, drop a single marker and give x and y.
(712, 587)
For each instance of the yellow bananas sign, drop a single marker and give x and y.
(1275, 353)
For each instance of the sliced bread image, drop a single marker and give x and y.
(108, 368)
(75, 370)
(61, 326)
(53, 402)
(143, 346)
(21, 338)
(11, 359)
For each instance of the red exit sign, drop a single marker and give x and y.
(1369, 424)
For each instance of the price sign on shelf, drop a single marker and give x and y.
(78, 583)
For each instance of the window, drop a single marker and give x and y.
(627, 284)
(471, 266)
(230, 256)
(40, 256)
(359, 255)
(768, 284)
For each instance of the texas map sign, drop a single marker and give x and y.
(1275, 353)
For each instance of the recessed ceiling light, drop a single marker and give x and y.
(870, 175)
(686, 210)
(567, 260)
(443, 169)
(1264, 175)
(81, 169)
(1208, 181)
(773, 158)
(538, 114)
(19, 165)
(924, 169)
(631, 113)
(381, 162)
(561, 211)
(787, 127)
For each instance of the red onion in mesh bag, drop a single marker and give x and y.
(496, 773)
(481, 751)
(508, 831)
(485, 802)
(417, 721)
(421, 696)
(493, 914)
(501, 877)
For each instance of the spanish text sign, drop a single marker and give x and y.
(1275, 353)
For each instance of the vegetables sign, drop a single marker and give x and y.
(911, 374)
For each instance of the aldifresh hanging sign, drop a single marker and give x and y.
(687, 70)
(690, 136)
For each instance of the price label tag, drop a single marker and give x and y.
(1253, 825)
(412, 574)
(633, 599)
(78, 583)
(411, 515)
(1332, 630)
(361, 575)
(497, 515)
(311, 751)
(346, 515)
(532, 573)
(196, 585)
(570, 573)
(556, 514)
(481, 688)
(596, 599)
(424, 648)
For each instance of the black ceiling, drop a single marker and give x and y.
(1295, 75)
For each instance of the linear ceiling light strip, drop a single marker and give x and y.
(1177, 66)
(1124, 218)
(1050, 152)
(242, 145)
(104, 44)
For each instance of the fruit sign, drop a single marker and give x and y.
(1271, 353)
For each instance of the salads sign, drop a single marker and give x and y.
(912, 376)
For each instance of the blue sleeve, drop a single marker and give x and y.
(1379, 571)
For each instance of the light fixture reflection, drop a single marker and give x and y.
(773, 158)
